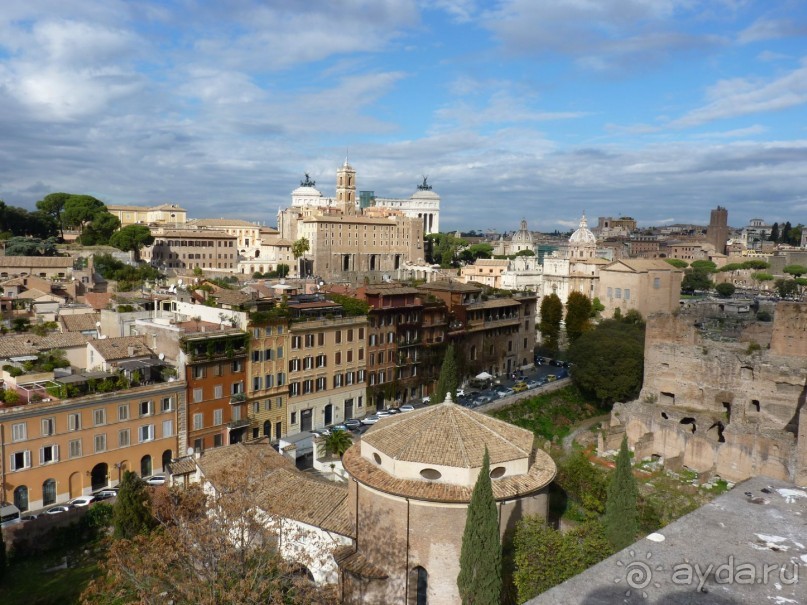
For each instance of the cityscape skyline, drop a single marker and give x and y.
(656, 110)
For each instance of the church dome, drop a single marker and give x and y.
(523, 235)
(583, 235)
(306, 192)
(435, 453)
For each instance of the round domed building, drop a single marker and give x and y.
(411, 477)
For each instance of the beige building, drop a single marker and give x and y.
(326, 365)
(49, 267)
(164, 214)
(179, 249)
(485, 271)
(267, 387)
(411, 479)
(647, 286)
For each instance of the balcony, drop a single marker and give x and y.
(237, 398)
(238, 424)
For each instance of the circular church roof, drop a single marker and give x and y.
(583, 235)
(307, 192)
(453, 439)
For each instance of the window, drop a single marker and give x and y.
(293, 419)
(361, 354)
(75, 448)
(337, 381)
(268, 330)
(217, 370)
(294, 389)
(198, 372)
(167, 404)
(48, 426)
(257, 383)
(99, 416)
(618, 293)
(279, 330)
(236, 367)
(100, 443)
(627, 294)
(198, 422)
(361, 333)
(19, 432)
(218, 440)
(309, 341)
(349, 377)
(267, 405)
(235, 413)
(321, 339)
(308, 363)
(294, 365)
(373, 340)
(146, 408)
(350, 335)
(123, 412)
(350, 356)
(338, 357)
(280, 352)
(269, 380)
(236, 388)
(197, 395)
(257, 356)
(360, 376)
(218, 391)
(610, 292)
(268, 354)
(321, 361)
(20, 460)
(281, 379)
(124, 438)
(295, 342)
(168, 428)
(218, 417)
(656, 283)
(256, 407)
(338, 335)
(321, 384)
(308, 386)
(390, 337)
(146, 433)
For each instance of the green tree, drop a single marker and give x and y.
(298, 249)
(677, 263)
(449, 377)
(336, 444)
(475, 251)
(583, 482)
(725, 290)
(761, 276)
(621, 520)
(480, 578)
(100, 229)
(596, 307)
(756, 264)
(695, 279)
(53, 205)
(786, 288)
(132, 238)
(774, 237)
(132, 514)
(578, 312)
(609, 360)
(704, 265)
(545, 557)
(80, 210)
(31, 246)
(282, 270)
(443, 249)
(795, 270)
(783, 236)
(794, 235)
(352, 307)
(551, 314)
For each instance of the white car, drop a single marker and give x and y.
(383, 413)
(370, 419)
(427, 399)
(82, 501)
(155, 480)
(55, 510)
(407, 408)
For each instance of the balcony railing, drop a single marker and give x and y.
(236, 398)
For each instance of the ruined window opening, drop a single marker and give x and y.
(747, 373)
(755, 403)
(720, 428)
(727, 407)
(667, 398)
(664, 415)
(689, 420)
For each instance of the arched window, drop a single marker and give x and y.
(267, 429)
(418, 586)
(21, 497)
(48, 492)
(145, 466)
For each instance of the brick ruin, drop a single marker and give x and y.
(724, 394)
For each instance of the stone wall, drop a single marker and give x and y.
(723, 394)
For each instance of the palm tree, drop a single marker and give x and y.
(336, 444)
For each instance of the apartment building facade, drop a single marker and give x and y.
(54, 451)
(267, 384)
(193, 249)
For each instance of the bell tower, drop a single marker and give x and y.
(346, 188)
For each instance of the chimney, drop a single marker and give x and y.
(131, 350)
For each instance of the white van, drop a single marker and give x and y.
(9, 514)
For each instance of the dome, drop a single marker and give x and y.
(523, 235)
(583, 236)
(425, 194)
(436, 452)
(306, 191)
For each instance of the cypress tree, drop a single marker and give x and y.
(132, 512)
(551, 314)
(449, 380)
(578, 312)
(621, 518)
(480, 579)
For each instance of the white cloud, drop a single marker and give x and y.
(743, 96)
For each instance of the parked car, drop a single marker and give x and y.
(56, 510)
(155, 480)
(533, 384)
(551, 378)
(520, 387)
(506, 393)
(563, 373)
(427, 399)
(407, 408)
(352, 423)
(29, 517)
(339, 427)
(370, 419)
(105, 494)
(394, 410)
(9, 514)
(81, 501)
(383, 413)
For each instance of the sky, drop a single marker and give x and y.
(542, 110)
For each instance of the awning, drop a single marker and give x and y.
(483, 376)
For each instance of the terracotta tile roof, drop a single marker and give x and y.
(541, 473)
(285, 491)
(494, 303)
(16, 345)
(356, 563)
(35, 261)
(98, 300)
(231, 297)
(194, 233)
(32, 294)
(79, 322)
(491, 262)
(222, 222)
(184, 466)
(640, 265)
(114, 349)
(448, 434)
(450, 287)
